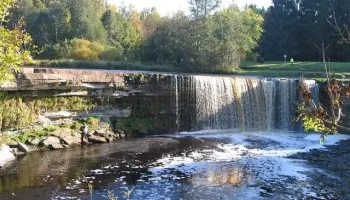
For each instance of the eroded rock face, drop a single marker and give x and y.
(5, 155)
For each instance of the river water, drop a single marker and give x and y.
(202, 165)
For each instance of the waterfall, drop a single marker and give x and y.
(242, 103)
(175, 84)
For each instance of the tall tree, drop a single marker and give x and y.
(202, 8)
(150, 20)
(86, 21)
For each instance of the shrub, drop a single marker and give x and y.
(85, 50)
(77, 49)
(112, 54)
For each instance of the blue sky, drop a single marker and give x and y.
(171, 6)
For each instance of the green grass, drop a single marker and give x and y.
(107, 65)
(305, 69)
(248, 68)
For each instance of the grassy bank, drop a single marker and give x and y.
(305, 69)
(247, 68)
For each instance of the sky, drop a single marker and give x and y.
(166, 7)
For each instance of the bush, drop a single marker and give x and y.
(76, 49)
(85, 50)
(112, 54)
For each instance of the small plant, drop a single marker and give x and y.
(76, 125)
(92, 122)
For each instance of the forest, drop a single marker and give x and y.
(207, 39)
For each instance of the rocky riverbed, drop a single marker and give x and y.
(204, 165)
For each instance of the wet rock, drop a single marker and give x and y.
(97, 139)
(51, 140)
(62, 133)
(5, 155)
(56, 146)
(33, 141)
(24, 148)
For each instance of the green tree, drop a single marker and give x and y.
(150, 20)
(12, 45)
(203, 8)
(86, 21)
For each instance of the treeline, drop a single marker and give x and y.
(295, 27)
(206, 40)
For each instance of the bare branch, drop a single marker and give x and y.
(343, 32)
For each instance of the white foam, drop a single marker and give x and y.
(273, 157)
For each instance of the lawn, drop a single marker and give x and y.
(247, 68)
(305, 69)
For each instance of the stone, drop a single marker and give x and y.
(62, 133)
(97, 139)
(5, 155)
(91, 133)
(58, 115)
(44, 121)
(110, 139)
(51, 140)
(111, 134)
(56, 146)
(16, 151)
(101, 132)
(13, 144)
(24, 148)
(71, 140)
(34, 141)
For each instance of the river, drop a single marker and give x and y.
(216, 164)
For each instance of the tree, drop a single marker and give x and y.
(150, 20)
(12, 45)
(202, 8)
(215, 43)
(86, 21)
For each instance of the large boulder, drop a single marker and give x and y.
(33, 141)
(62, 133)
(71, 140)
(51, 140)
(97, 139)
(101, 132)
(5, 155)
